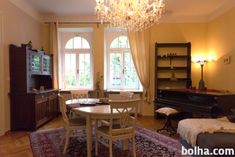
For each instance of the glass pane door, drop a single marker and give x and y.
(115, 71)
(70, 70)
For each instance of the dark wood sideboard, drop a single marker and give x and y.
(33, 101)
(202, 103)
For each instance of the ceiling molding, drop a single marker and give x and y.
(221, 10)
(183, 19)
(83, 19)
(27, 8)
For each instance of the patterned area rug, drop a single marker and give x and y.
(148, 144)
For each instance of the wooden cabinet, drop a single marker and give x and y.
(29, 71)
(172, 66)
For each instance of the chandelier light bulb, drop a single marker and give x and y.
(134, 15)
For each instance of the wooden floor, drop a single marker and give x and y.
(17, 144)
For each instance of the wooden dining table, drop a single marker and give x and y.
(82, 102)
(93, 112)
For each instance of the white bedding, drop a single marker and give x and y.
(190, 128)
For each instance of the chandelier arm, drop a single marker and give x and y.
(134, 15)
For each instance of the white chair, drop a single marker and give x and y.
(125, 113)
(76, 94)
(70, 125)
(126, 95)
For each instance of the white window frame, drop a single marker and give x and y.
(65, 37)
(110, 50)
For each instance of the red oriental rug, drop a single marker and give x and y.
(148, 144)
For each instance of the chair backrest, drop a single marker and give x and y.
(126, 95)
(76, 94)
(125, 112)
(63, 109)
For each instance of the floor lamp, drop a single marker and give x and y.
(201, 85)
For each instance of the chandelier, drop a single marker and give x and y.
(134, 15)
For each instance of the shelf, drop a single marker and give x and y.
(172, 59)
(169, 68)
(168, 57)
(169, 45)
(169, 79)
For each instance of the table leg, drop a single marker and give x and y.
(89, 135)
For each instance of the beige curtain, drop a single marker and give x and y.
(54, 51)
(139, 43)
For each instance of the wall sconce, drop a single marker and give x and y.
(201, 85)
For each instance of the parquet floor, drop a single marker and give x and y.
(17, 144)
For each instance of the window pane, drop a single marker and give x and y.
(120, 42)
(69, 44)
(115, 70)
(84, 70)
(114, 43)
(130, 75)
(70, 70)
(85, 44)
(77, 42)
(123, 42)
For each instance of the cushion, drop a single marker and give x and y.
(167, 111)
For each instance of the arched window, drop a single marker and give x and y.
(77, 69)
(77, 43)
(120, 42)
(121, 73)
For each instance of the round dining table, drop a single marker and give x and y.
(93, 112)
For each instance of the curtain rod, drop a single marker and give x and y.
(78, 22)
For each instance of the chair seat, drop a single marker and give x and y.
(105, 130)
(167, 111)
(107, 123)
(79, 121)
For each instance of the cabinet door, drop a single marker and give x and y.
(46, 65)
(35, 63)
(53, 105)
(41, 110)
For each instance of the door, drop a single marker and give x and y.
(53, 104)
(41, 110)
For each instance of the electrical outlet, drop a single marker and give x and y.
(227, 60)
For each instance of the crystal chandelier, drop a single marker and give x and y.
(134, 15)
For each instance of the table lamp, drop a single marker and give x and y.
(201, 85)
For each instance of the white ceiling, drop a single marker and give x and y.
(175, 10)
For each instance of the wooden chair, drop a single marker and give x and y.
(70, 125)
(76, 94)
(125, 113)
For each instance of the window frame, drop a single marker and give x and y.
(121, 51)
(65, 37)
